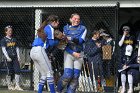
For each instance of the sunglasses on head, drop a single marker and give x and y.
(125, 30)
(8, 26)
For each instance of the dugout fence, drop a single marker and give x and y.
(95, 17)
(26, 21)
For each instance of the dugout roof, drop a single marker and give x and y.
(67, 3)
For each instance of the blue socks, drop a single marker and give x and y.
(41, 84)
(40, 88)
(50, 81)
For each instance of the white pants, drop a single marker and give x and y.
(71, 62)
(41, 60)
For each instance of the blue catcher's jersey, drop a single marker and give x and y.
(75, 32)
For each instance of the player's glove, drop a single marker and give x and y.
(62, 43)
(58, 34)
(9, 59)
(75, 40)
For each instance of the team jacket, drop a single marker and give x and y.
(93, 53)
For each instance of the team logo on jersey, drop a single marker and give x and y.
(128, 42)
(74, 28)
(11, 44)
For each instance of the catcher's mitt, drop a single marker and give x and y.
(41, 34)
(62, 43)
(62, 39)
(58, 34)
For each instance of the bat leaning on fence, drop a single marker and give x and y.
(87, 76)
(129, 62)
(92, 86)
(94, 80)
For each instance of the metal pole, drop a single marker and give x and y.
(116, 46)
(38, 20)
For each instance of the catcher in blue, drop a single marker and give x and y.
(73, 56)
(11, 54)
(39, 55)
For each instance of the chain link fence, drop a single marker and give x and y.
(100, 18)
(25, 22)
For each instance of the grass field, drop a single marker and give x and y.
(7, 91)
(15, 91)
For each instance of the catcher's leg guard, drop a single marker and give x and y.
(74, 82)
(64, 80)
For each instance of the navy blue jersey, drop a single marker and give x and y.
(129, 40)
(10, 45)
(92, 51)
(94, 56)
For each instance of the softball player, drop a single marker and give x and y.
(73, 54)
(39, 56)
(94, 55)
(11, 53)
(138, 58)
(126, 44)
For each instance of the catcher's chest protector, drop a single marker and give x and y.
(74, 32)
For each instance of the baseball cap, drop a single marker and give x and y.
(126, 28)
(128, 50)
(104, 34)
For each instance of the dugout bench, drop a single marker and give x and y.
(26, 75)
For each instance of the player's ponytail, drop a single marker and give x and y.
(40, 31)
